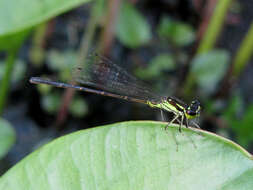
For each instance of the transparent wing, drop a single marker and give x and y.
(101, 73)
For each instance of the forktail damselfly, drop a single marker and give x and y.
(103, 77)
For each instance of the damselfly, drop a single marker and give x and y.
(101, 76)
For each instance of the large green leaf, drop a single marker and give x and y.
(16, 16)
(134, 156)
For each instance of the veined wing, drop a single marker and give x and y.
(101, 73)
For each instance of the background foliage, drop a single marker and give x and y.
(189, 49)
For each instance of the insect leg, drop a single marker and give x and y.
(181, 123)
(196, 125)
(176, 116)
(187, 124)
(162, 115)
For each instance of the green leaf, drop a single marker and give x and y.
(241, 122)
(177, 32)
(18, 71)
(158, 64)
(44, 89)
(209, 68)
(19, 15)
(244, 133)
(62, 62)
(7, 137)
(51, 102)
(132, 156)
(79, 107)
(132, 29)
(12, 42)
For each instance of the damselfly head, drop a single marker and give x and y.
(193, 109)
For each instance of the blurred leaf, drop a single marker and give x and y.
(18, 71)
(209, 106)
(6, 78)
(79, 107)
(19, 15)
(51, 102)
(100, 8)
(7, 137)
(179, 33)
(234, 107)
(163, 61)
(12, 41)
(11, 44)
(243, 130)
(62, 62)
(132, 156)
(209, 68)
(241, 124)
(44, 88)
(132, 29)
(214, 106)
(37, 50)
(158, 64)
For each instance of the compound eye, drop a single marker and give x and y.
(195, 104)
(194, 108)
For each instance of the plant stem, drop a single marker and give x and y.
(89, 34)
(214, 27)
(108, 34)
(82, 53)
(244, 53)
(37, 52)
(5, 83)
(210, 37)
